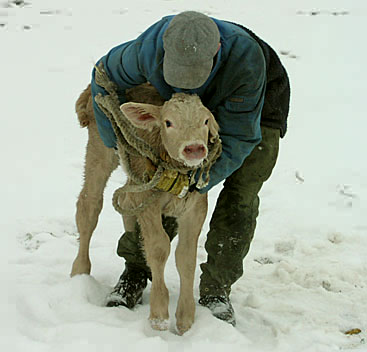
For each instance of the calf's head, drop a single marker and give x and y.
(185, 126)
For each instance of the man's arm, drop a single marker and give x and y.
(239, 120)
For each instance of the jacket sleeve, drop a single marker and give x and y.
(122, 67)
(239, 121)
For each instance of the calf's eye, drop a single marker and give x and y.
(168, 123)
(206, 121)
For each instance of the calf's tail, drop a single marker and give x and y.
(83, 107)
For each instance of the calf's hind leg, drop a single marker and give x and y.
(100, 161)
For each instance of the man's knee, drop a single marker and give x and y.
(259, 165)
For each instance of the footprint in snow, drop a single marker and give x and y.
(288, 54)
(323, 12)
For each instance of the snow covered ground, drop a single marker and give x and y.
(305, 281)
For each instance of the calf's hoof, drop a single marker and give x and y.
(185, 315)
(182, 328)
(80, 267)
(159, 324)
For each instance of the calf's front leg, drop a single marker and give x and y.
(189, 228)
(157, 249)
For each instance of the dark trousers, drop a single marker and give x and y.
(232, 225)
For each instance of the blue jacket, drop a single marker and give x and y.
(234, 91)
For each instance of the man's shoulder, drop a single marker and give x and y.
(242, 61)
(235, 39)
(229, 29)
(155, 31)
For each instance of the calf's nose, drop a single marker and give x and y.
(194, 151)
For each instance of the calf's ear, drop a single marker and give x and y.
(144, 116)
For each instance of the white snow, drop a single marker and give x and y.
(305, 281)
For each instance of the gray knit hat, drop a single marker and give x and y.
(190, 42)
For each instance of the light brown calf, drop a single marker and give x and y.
(180, 128)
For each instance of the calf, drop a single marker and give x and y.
(180, 129)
